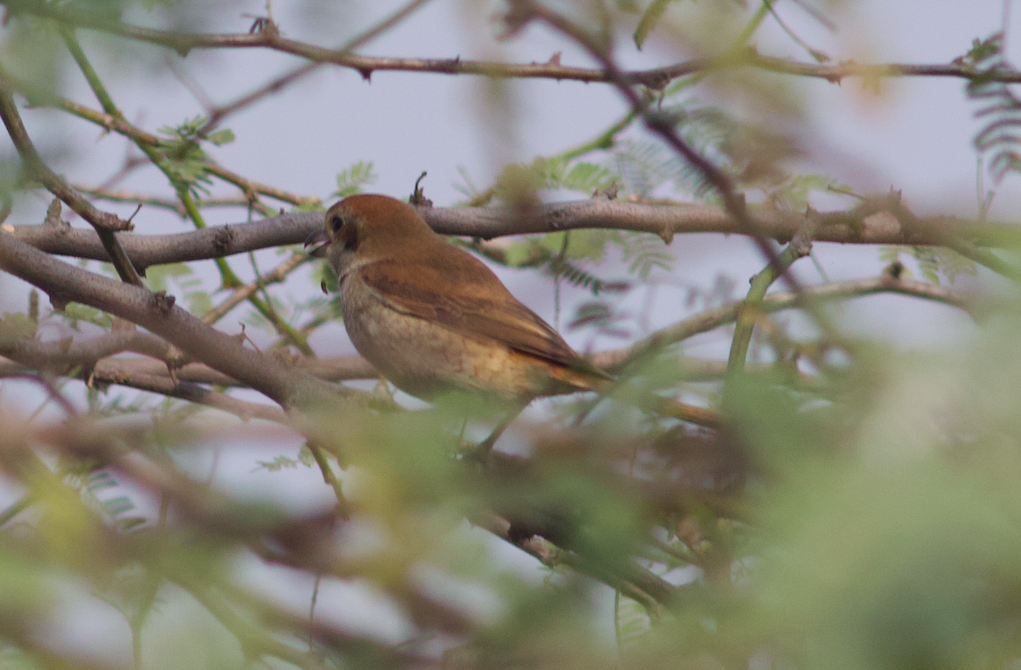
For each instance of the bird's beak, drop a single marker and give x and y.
(319, 240)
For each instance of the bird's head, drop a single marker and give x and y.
(369, 227)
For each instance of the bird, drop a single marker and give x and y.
(433, 318)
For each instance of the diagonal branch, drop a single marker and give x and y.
(664, 125)
(157, 313)
(37, 169)
(889, 282)
(105, 224)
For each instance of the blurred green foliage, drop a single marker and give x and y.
(858, 508)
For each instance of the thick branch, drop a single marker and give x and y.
(63, 356)
(157, 313)
(490, 222)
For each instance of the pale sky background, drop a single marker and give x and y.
(915, 137)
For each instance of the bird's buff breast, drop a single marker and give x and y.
(427, 359)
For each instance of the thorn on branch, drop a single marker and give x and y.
(137, 210)
(610, 192)
(163, 302)
(242, 337)
(53, 219)
(452, 66)
(174, 360)
(556, 219)
(655, 81)
(57, 302)
(801, 243)
(89, 377)
(263, 25)
(223, 239)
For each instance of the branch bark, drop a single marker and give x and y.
(157, 313)
(654, 78)
(845, 227)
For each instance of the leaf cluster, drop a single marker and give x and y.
(997, 106)
(183, 158)
(933, 262)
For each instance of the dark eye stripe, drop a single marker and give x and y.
(350, 237)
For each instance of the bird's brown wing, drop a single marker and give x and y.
(465, 296)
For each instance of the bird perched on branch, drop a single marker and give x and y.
(433, 319)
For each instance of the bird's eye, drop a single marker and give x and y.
(336, 222)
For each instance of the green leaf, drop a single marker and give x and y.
(221, 137)
(582, 278)
(522, 253)
(324, 276)
(15, 326)
(890, 254)
(184, 160)
(76, 312)
(24, 585)
(518, 182)
(649, 20)
(282, 462)
(157, 276)
(309, 206)
(199, 302)
(795, 192)
(351, 180)
(933, 262)
(983, 50)
(631, 621)
(587, 178)
(645, 252)
(306, 457)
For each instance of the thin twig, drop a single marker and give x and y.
(655, 78)
(728, 313)
(217, 114)
(240, 294)
(799, 247)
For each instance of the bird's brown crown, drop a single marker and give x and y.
(372, 223)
